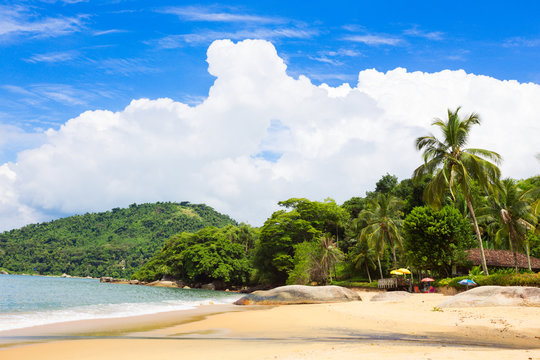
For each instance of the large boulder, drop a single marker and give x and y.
(4, 272)
(391, 296)
(209, 286)
(299, 294)
(495, 296)
(159, 283)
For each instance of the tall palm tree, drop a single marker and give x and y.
(455, 166)
(328, 256)
(364, 257)
(509, 215)
(383, 222)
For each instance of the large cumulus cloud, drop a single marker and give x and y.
(261, 136)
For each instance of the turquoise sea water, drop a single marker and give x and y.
(36, 300)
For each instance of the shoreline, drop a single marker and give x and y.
(405, 329)
(111, 327)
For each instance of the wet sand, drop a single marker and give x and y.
(412, 328)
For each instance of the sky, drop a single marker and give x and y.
(242, 104)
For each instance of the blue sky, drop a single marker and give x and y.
(61, 59)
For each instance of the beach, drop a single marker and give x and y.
(411, 328)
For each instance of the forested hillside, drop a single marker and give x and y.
(113, 243)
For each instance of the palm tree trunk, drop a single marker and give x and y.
(394, 254)
(368, 274)
(515, 256)
(380, 267)
(393, 249)
(478, 236)
(528, 254)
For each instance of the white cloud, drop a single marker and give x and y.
(522, 42)
(430, 35)
(44, 94)
(107, 32)
(323, 141)
(124, 66)
(17, 20)
(207, 36)
(371, 39)
(210, 14)
(54, 57)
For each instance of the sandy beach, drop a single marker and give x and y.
(411, 328)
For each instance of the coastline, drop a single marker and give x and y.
(410, 328)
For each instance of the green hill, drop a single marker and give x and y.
(113, 243)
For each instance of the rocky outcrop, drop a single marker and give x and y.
(299, 294)
(210, 286)
(391, 296)
(4, 272)
(159, 283)
(64, 275)
(495, 296)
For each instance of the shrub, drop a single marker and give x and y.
(501, 279)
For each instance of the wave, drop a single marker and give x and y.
(10, 321)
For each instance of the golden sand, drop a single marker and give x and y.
(412, 328)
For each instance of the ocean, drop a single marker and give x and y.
(37, 300)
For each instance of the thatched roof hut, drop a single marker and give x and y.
(502, 258)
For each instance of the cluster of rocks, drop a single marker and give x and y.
(171, 283)
(4, 272)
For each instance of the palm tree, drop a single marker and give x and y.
(364, 257)
(455, 166)
(509, 215)
(327, 256)
(383, 222)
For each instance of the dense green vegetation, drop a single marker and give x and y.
(502, 278)
(209, 255)
(307, 221)
(436, 239)
(113, 243)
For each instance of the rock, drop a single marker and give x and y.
(219, 285)
(299, 294)
(495, 296)
(105, 279)
(186, 287)
(159, 283)
(134, 282)
(4, 272)
(391, 296)
(64, 275)
(210, 286)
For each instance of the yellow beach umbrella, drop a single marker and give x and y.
(404, 271)
(396, 272)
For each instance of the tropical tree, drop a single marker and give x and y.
(364, 256)
(510, 217)
(306, 221)
(436, 239)
(329, 256)
(383, 221)
(456, 167)
(315, 260)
